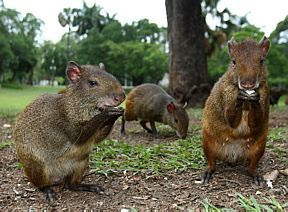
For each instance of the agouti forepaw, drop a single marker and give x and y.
(86, 187)
(243, 95)
(257, 180)
(206, 177)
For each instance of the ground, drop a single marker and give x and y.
(170, 190)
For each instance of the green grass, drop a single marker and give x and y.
(276, 139)
(249, 204)
(112, 156)
(13, 101)
(5, 144)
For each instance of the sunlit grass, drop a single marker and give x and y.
(13, 101)
(112, 156)
(248, 204)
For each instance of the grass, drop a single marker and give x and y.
(112, 156)
(5, 144)
(249, 204)
(276, 139)
(13, 101)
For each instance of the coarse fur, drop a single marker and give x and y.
(56, 132)
(235, 125)
(150, 103)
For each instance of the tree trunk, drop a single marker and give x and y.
(30, 77)
(187, 58)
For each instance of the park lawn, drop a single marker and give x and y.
(14, 100)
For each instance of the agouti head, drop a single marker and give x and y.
(94, 86)
(248, 62)
(178, 119)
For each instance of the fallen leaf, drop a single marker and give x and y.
(271, 176)
(141, 198)
(285, 172)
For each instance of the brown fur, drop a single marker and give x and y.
(235, 129)
(148, 103)
(55, 133)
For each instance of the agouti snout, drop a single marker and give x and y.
(248, 66)
(150, 103)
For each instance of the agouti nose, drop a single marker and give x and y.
(119, 97)
(247, 84)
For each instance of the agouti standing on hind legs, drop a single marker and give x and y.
(235, 118)
(150, 103)
(55, 133)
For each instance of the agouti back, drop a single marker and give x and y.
(55, 133)
(235, 118)
(150, 103)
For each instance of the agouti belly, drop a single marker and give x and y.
(236, 147)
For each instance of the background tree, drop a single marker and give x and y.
(187, 57)
(191, 40)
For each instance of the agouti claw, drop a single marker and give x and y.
(206, 177)
(50, 195)
(257, 180)
(245, 96)
(86, 187)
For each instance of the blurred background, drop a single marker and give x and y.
(132, 39)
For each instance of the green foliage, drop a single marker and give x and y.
(249, 204)
(5, 144)
(112, 156)
(18, 52)
(149, 62)
(277, 59)
(12, 85)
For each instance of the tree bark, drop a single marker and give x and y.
(187, 58)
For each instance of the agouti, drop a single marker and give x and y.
(235, 118)
(150, 103)
(55, 133)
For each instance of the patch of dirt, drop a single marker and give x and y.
(169, 191)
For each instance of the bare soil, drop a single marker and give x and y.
(170, 191)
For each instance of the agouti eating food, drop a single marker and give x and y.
(235, 118)
(150, 103)
(55, 133)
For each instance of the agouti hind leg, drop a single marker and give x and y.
(143, 124)
(209, 152)
(153, 127)
(50, 194)
(123, 132)
(73, 182)
(37, 176)
(255, 154)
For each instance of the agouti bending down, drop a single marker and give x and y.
(235, 119)
(55, 133)
(150, 103)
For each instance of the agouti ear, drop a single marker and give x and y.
(73, 71)
(171, 107)
(231, 44)
(265, 45)
(102, 66)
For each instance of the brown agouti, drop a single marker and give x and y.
(55, 133)
(235, 118)
(150, 103)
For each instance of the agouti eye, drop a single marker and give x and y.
(176, 120)
(93, 83)
(233, 62)
(262, 62)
